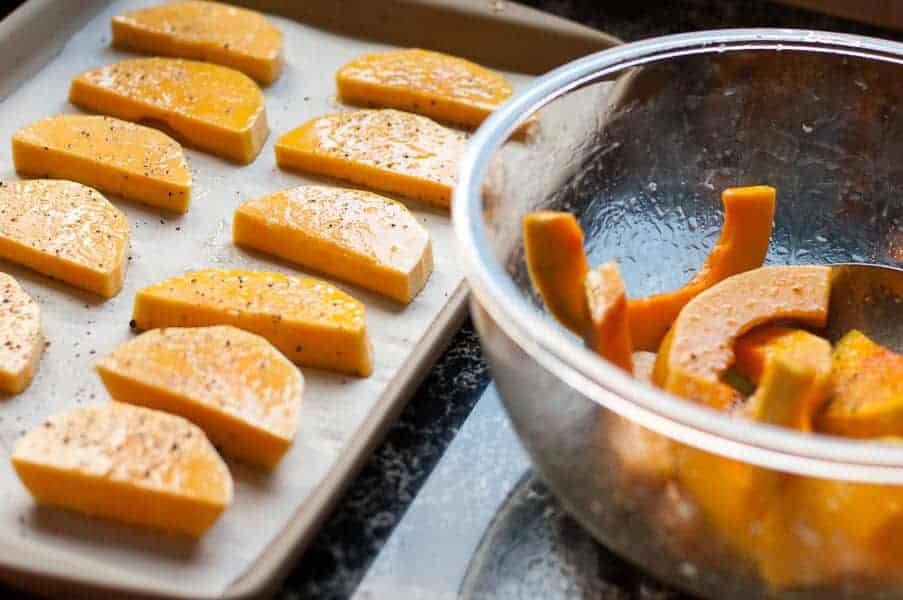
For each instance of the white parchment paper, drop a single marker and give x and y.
(81, 327)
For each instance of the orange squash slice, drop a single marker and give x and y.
(609, 334)
(216, 109)
(21, 338)
(235, 37)
(234, 385)
(65, 230)
(433, 84)
(699, 346)
(867, 396)
(553, 245)
(748, 216)
(108, 154)
(386, 150)
(310, 321)
(127, 463)
(356, 236)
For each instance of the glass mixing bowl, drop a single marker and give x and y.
(638, 142)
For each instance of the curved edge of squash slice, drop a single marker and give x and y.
(743, 244)
(553, 245)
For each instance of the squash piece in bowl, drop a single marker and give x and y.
(609, 333)
(553, 243)
(553, 247)
(754, 350)
(867, 400)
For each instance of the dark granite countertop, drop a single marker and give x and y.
(338, 559)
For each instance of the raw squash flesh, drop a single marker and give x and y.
(65, 230)
(757, 348)
(356, 236)
(386, 150)
(609, 333)
(21, 338)
(748, 216)
(867, 396)
(207, 106)
(553, 248)
(210, 31)
(111, 155)
(232, 384)
(437, 85)
(126, 463)
(699, 346)
(308, 320)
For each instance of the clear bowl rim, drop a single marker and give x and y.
(559, 352)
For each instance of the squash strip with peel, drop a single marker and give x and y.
(553, 244)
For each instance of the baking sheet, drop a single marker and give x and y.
(81, 328)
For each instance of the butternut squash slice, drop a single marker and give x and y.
(210, 31)
(111, 155)
(207, 106)
(356, 236)
(232, 384)
(553, 247)
(867, 396)
(386, 150)
(308, 320)
(609, 333)
(126, 463)
(65, 230)
(439, 86)
(21, 338)
(699, 346)
(743, 244)
(757, 348)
